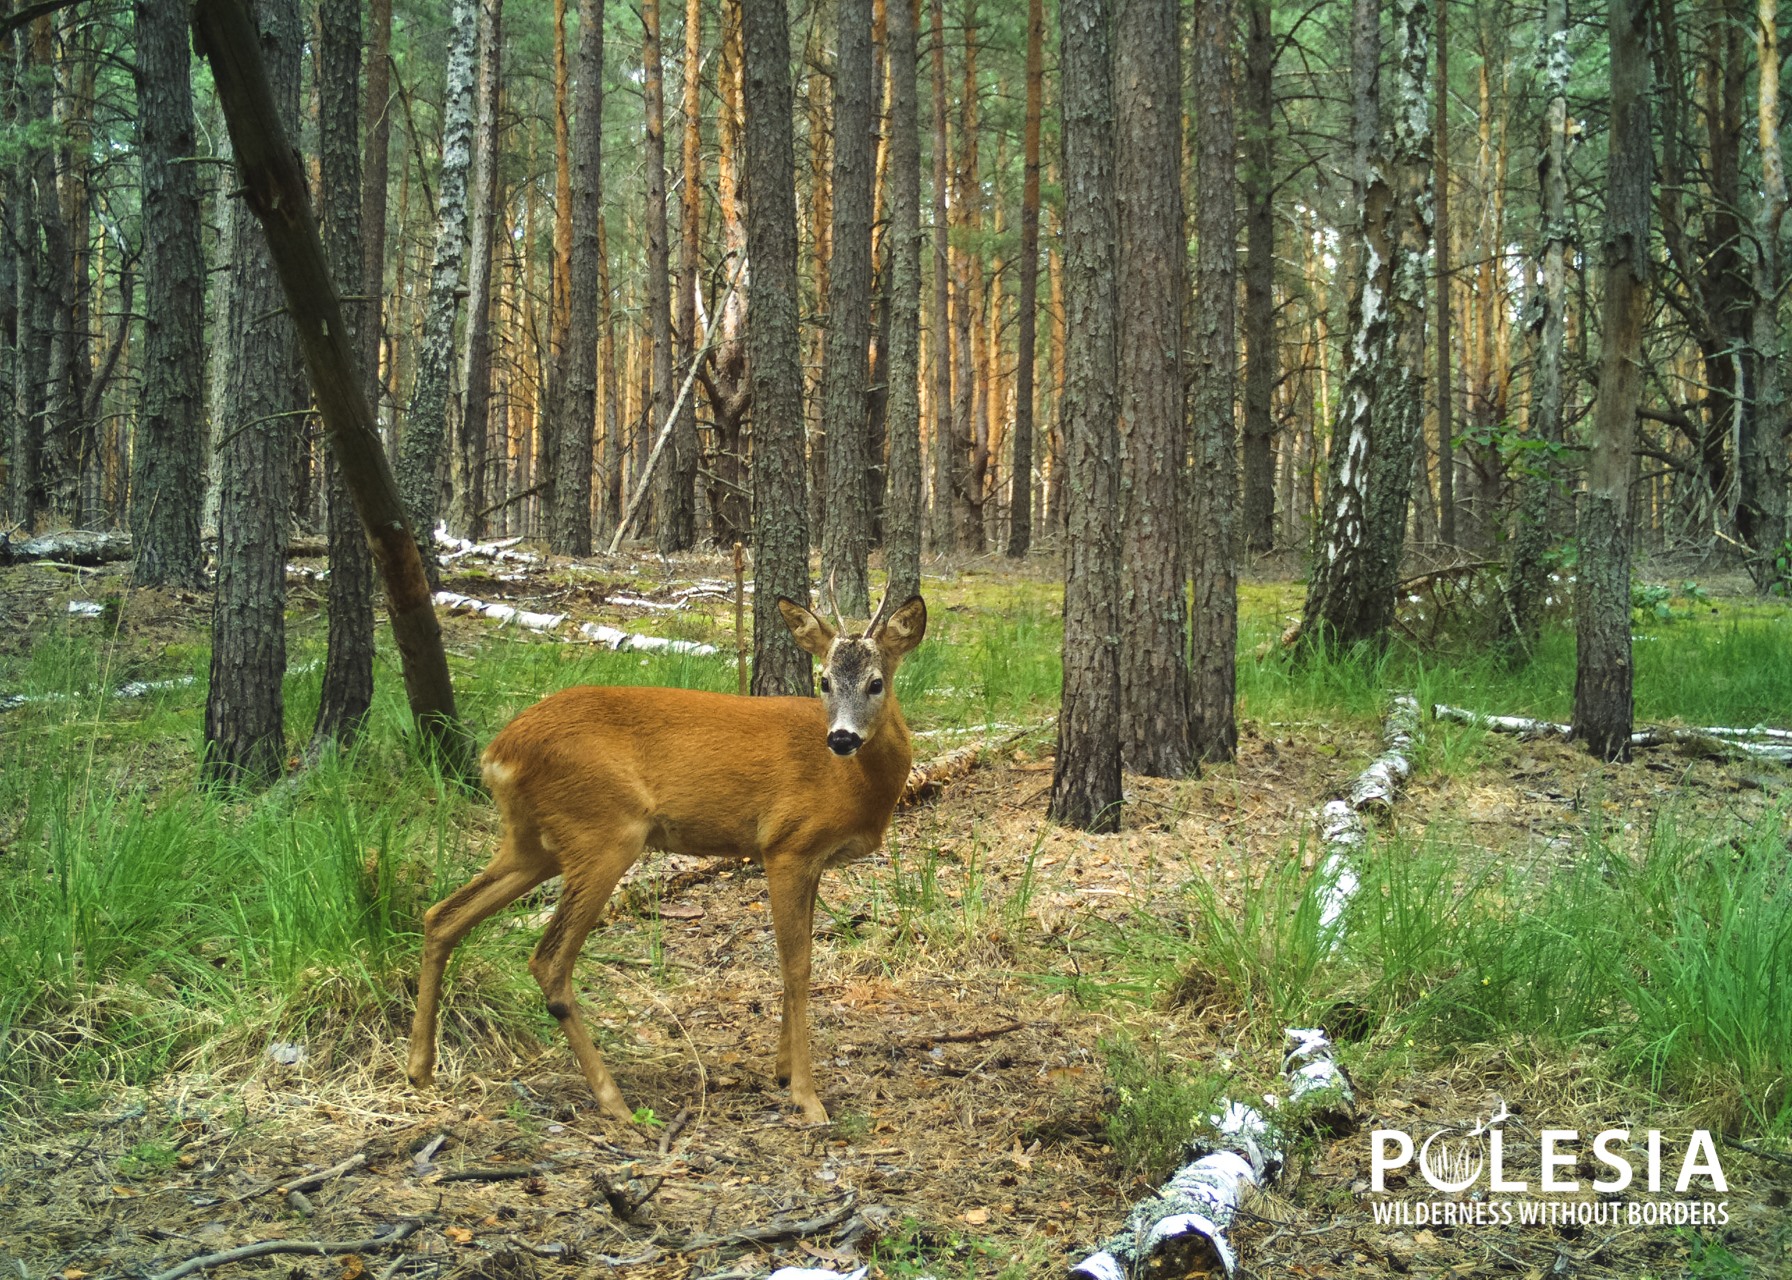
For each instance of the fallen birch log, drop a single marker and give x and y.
(550, 624)
(1376, 786)
(1183, 1226)
(502, 549)
(1758, 743)
(1342, 833)
(130, 689)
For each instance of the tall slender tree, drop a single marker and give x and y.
(476, 358)
(170, 419)
(426, 425)
(1761, 509)
(1257, 183)
(1086, 780)
(348, 660)
(686, 446)
(574, 409)
(939, 330)
(375, 171)
(1020, 518)
(675, 514)
(846, 508)
(245, 708)
(1153, 434)
(1603, 706)
(902, 502)
(774, 357)
(1442, 381)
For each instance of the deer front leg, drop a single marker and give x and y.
(793, 880)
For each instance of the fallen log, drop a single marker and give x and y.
(85, 547)
(1723, 741)
(1342, 833)
(550, 624)
(1183, 1226)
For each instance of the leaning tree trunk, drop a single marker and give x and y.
(1603, 707)
(274, 190)
(168, 465)
(426, 425)
(1761, 511)
(1528, 573)
(245, 740)
(1086, 782)
(1153, 435)
(774, 356)
(574, 409)
(1258, 507)
(846, 518)
(1020, 503)
(348, 660)
(902, 502)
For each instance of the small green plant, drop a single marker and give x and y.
(1155, 1105)
(147, 1159)
(646, 1119)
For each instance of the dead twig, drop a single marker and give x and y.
(496, 1173)
(265, 1247)
(963, 1037)
(1754, 1150)
(782, 1229)
(336, 1170)
(679, 1121)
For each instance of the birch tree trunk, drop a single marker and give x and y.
(1086, 780)
(780, 513)
(1603, 707)
(1153, 435)
(902, 501)
(426, 425)
(169, 468)
(846, 507)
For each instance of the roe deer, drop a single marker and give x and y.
(589, 777)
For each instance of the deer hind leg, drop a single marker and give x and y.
(521, 864)
(592, 867)
(793, 881)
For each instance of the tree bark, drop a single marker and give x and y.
(1086, 780)
(476, 363)
(348, 662)
(1153, 435)
(1603, 706)
(846, 530)
(902, 503)
(940, 323)
(1536, 528)
(426, 425)
(780, 511)
(25, 478)
(1761, 509)
(675, 514)
(169, 467)
(1020, 519)
(245, 739)
(274, 190)
(377, 115)
(1258, 513)
(687, 447)
(1444, 382)
(574, 410)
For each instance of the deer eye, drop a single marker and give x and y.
(875, 687)
(825, 687)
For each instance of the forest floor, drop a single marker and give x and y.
(1013, 1022)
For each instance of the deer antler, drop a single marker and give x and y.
(834, 605)
(878, 617)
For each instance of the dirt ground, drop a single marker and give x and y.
(964, 1076)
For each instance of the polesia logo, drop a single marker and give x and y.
(1472, 1167)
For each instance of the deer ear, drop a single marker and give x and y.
(812, 634)
(903, 629)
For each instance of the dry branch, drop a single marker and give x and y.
(781, 1229)
(1758, 743)
(266, 1247)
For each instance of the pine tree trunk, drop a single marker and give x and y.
(375, 176)
(780, 511)
(1603, 674)
(258, 425)
(1258, 512)
(426, 425)
(169, 467)
(1442, 380)
(941, 528)
(1153, 436)
(690, 248)
(846, 532)
(573, 414)
(1536, 526)
(1086, 780)
(1761, 510)
(348, 662)
(902, 502)
(1020, 519)
(675, 514)
(27, 499)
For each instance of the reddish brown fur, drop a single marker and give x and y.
(589, 777)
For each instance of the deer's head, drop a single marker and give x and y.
(858, 671)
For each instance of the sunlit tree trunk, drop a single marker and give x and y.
(1603, 705)
(902, 502)
(1086, 780)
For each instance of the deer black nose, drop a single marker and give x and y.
(843, 742)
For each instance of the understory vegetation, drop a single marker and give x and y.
(148, 925)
